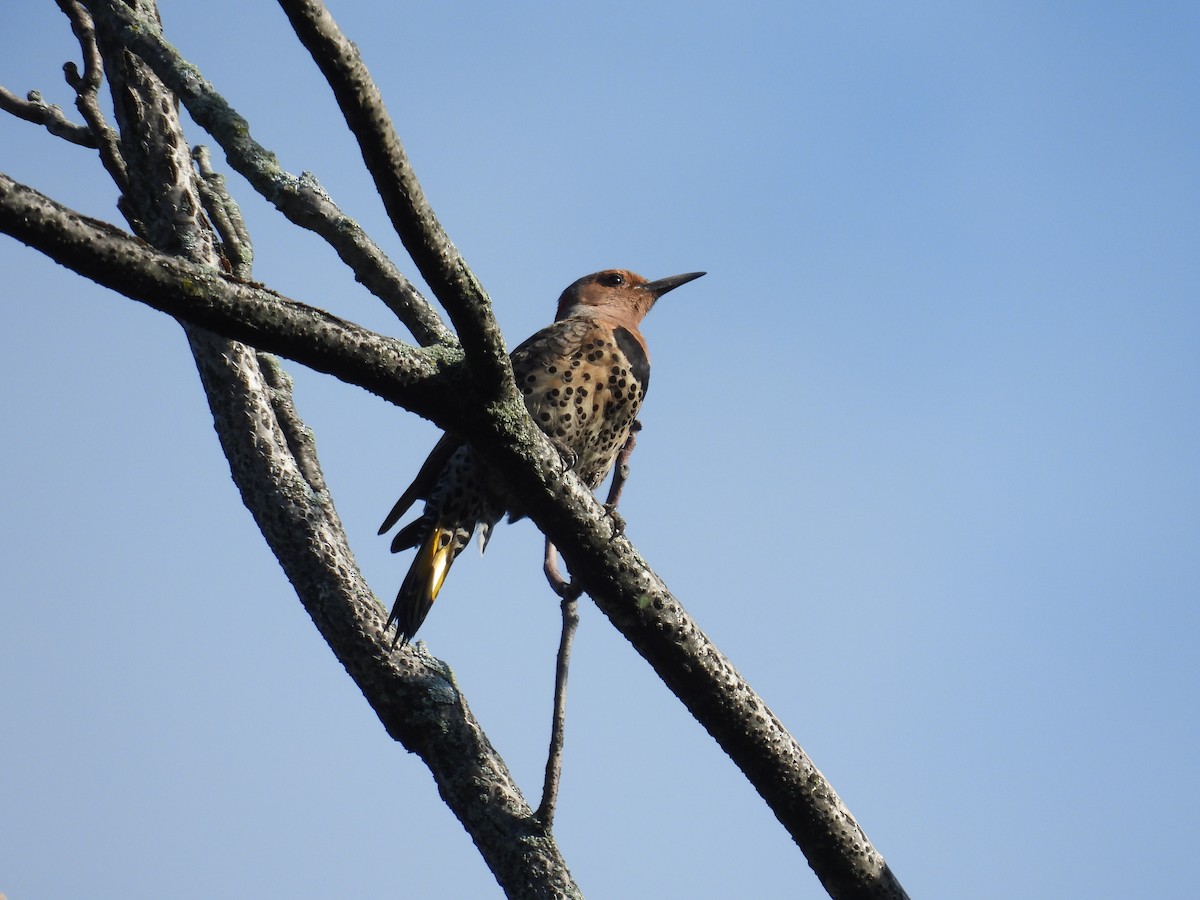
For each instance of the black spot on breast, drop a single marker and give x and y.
(639, 362)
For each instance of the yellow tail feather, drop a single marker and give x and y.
(423, 581)
(435, 558)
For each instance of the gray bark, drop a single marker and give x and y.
(465, 387)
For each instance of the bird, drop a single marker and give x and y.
(583, 379)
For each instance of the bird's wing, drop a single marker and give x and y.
(426, 479)
(551, 346)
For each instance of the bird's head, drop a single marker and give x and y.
(619, 292)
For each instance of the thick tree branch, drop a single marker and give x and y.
(609, 567)
(246, 312)
(413, 694)
(301, 199)
(439, 261)
(642, 608)
(297, 517)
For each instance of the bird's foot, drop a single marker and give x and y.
(569, 456)
(614, 517)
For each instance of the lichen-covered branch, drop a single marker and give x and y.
(439, 261)
(205, 296)
(300, 198)
(225, 215)
(413, 694)
(278, 475)
(644, 610)
(484, 412)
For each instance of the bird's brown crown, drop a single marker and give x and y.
(619, 293)
(614, 290)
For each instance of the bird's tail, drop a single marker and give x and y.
(435, 555)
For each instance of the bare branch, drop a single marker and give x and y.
(558, 724)
(608, 566)
(225, 215)
(570, 592)
(81, 25)
(413, 694)
(412, 378)
(301, 445)
(643, 609)
(301, 199)
(238, 251)
(87, 92)
(36, 110)
(439, 261)
(297, 517)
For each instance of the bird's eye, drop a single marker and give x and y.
(612, 279)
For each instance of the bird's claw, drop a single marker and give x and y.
(617, 520)
(569, 456)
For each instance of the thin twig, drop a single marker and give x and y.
(570, 592)
(299, 437)
(225, 215)
(87, 92)
(85, 33)
(570, 616)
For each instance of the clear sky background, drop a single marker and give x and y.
(922, 456)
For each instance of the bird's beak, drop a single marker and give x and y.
(660, 287)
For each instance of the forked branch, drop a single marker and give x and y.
(601, 559)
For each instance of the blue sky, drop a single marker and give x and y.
(921, 456)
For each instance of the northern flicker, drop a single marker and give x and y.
(583, 378)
